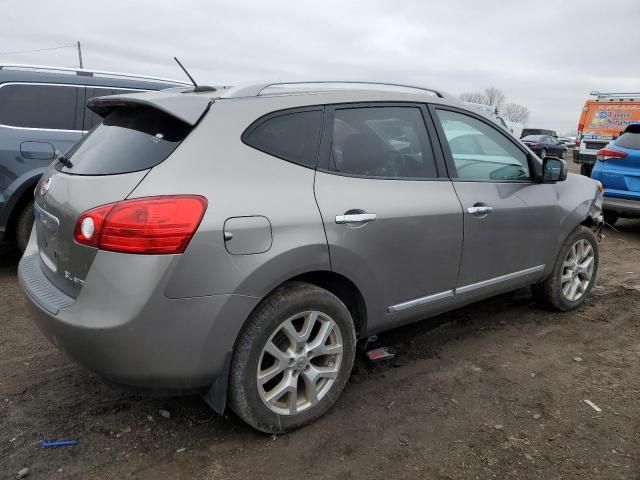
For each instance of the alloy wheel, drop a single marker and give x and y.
(577, 270)
(299, 363)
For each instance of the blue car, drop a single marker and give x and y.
(618, 169)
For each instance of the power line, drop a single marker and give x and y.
(75, 45)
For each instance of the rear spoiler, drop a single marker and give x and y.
(184, 106)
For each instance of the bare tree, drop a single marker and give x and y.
(474, 97)
(495, 97)
(514, 112)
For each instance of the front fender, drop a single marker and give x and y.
(579, 200)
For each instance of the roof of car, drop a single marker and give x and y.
(69, 76)
(188, 104)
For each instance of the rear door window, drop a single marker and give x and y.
(129, 139)
(39, 106)
(290, 136)
(387, 142)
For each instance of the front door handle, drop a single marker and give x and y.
(355, 218)
(480, 210)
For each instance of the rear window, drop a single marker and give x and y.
(39, 106)
(290, 136)
(128, 140)
(534, 138)
(629, 140)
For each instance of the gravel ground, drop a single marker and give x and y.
(495, 390)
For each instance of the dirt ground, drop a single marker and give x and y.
(495, 390)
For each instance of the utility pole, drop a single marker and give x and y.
(80, 54)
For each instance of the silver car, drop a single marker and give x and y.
(239, 241)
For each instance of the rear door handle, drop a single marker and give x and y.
(355, 218)
(480, 210)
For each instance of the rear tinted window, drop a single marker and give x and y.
(534, 138)
(39, 106)
(129, 139)
(629, 140)
(291, 136)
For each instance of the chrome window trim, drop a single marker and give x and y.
(464, 289)
(502, 278)
(47, 84)
(420, 301)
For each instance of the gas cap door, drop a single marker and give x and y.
(247, 235)
(37, 150)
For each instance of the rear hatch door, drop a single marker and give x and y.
(105, 167)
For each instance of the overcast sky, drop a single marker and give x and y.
(547, 55)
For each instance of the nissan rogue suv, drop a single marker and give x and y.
(239, 242)
(43, 113)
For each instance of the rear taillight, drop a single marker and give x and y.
(577, 142)
(149, 225)
(608, 154)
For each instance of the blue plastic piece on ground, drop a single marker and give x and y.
(58, 443)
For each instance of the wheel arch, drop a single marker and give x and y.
(22, 194)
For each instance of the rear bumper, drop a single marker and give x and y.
(583, 158)
(622, 206)
(125, 330)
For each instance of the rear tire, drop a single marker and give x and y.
(574, 272)
(586, 170)
(24, 223)
(275, 391)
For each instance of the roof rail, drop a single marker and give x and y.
(254, 90)
(90, 73)
(601, 95)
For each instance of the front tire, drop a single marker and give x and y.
(574, 272)
(24, 223)
(292, 358)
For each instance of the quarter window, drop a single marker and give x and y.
(389, 142)
(480, 152)
(38, 106)
(291, 136)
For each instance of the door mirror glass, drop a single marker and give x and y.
(554, 170)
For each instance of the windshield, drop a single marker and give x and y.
(130, 139)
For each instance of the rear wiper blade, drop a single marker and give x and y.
(64, 161)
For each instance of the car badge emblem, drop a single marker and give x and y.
(44, 186)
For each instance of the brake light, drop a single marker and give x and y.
(149, 225)
(608, 154)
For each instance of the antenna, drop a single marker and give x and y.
(185, 71)
(197, 88)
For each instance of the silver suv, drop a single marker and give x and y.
(238, 242)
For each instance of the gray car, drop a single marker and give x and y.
(239, 242)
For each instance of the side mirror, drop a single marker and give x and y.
(554, 170)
